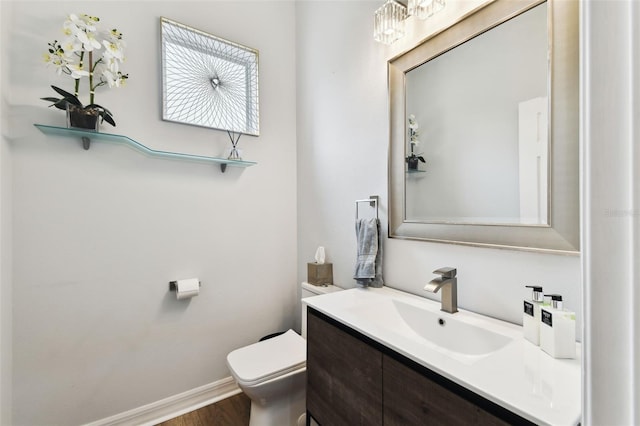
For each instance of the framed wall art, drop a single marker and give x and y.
(208, 81)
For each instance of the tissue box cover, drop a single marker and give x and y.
(320, 274)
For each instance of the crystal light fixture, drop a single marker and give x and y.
(389, 22)
(423, 9)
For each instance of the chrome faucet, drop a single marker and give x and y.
(449, 284)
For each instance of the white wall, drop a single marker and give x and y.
(5, 279)
(98, 234)
(341, 127)
(342, 156)
(5, 239)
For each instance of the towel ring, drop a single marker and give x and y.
(373, 202)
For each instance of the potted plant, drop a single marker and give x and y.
(413, 159)
(86, 52)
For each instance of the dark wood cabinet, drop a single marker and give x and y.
(354, 380)
(410, 398)
(344, 377)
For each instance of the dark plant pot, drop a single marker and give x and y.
(412, 163)
(86, 119)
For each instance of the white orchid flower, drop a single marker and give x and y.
(82, 22)
(73, 21)
(77, 72)
(90, 21)
(89, 41)
(56, 56)
(113, 49)
(115, 34)
(113, 79)
(113, 65)
(83, 29)
(73, 25)
(70, 46)
(110, 78)
(55, 61)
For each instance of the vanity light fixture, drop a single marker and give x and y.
(423, 9)
(389, 22)
(389, 19)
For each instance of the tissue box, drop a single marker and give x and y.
(320, 274)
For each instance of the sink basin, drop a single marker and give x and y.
(450, 333)
(464, 334)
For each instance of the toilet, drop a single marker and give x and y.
(272, 372)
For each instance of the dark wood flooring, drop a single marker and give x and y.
(233, 411)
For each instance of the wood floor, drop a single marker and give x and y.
(233, 411)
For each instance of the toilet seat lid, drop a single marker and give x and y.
(269, 358)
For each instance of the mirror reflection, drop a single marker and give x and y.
(477, 134)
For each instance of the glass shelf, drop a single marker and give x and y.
(412, 171)
(86, 136)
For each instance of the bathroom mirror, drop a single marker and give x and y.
(492, 102)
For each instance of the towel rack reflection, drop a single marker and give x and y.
(373, 202)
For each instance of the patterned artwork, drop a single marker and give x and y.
(208, 81)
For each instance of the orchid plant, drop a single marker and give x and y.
(86, 52)
(414, 127)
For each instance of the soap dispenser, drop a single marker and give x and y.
(557, 329)
(531, 315)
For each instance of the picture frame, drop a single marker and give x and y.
(208, 81)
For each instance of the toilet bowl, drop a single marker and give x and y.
(272, 373)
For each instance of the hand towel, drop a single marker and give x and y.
(368, 271)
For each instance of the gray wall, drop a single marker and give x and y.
(97, 235)
(5, 279)
(6, 350)
(340, 128)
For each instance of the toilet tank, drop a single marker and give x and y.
(310, 290)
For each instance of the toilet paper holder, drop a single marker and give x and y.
(172, 285)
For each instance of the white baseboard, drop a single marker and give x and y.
(173, 406)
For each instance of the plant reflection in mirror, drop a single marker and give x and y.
(413, 159)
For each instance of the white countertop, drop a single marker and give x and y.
(519, 377)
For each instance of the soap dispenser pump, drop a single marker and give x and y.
(531, 315)
(557, 329)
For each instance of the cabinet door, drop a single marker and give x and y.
(344, 376)
(410, 398)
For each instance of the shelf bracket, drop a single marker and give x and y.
(86, 143)
(223, 167)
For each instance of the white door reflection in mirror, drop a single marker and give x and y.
(533, 151)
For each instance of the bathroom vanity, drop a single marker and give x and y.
(385, 357)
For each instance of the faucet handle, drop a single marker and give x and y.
(446, 272)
